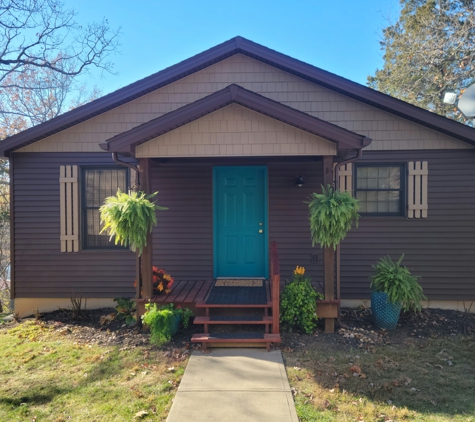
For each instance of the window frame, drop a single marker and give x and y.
(84, 208)
(402, 190)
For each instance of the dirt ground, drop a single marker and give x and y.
(355, 331)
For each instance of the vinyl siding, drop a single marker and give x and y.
(40, 268)
(440, 248)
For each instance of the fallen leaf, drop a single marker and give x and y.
(439, 366)
(355, 369)
(294, 391)
(141, 414)
(362, 375)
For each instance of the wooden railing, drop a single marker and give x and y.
(275, 287)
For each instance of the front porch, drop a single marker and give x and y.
(230, 303)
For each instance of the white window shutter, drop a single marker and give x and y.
(346, 178)
(417, 189)
(69, 208)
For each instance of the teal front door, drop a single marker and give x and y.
(240, 221)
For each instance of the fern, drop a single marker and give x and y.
(331, 214)
(129, 218)
(398, 283)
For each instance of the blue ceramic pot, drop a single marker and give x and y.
(175, 324)
(385, 314)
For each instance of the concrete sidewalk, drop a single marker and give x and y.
(234, 385)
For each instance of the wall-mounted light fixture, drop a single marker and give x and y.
(299, 181)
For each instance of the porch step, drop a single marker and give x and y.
(225, 338)
(203, 304)
(222, 319)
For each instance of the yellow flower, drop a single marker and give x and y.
(299, 270)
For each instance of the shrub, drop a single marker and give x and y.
(398, 283)
(298, 306)
(162, 321)
(125, 309)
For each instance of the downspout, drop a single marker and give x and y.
(138, 276)
(130, 166)
(338, 272)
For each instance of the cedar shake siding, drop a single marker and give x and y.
(439, 248)
(40, 268)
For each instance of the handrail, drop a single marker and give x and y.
(275, 286)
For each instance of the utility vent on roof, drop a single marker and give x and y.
(69, 208)
(417, 189)
(345, 176)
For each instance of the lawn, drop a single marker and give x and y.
(47, 376)
(430, 380)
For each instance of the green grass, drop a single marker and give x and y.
(433, 381)
(46, 377)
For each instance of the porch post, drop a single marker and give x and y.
(146, 258)
(328, 253)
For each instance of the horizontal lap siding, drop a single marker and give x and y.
(440, 248)
(288, 217)
(183, 238)
(41, 269)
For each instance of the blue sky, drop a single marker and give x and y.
(341, 36)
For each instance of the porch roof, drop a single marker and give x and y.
(126, 142)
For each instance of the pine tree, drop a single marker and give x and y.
(428, 51)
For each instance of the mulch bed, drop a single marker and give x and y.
(356, 331)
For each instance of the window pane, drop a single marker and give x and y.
(394, 177)
(98, 185)
(383, 179)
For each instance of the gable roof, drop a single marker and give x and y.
(126, 142)
(239, 45)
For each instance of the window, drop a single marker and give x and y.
(380, 189)
(98, 184)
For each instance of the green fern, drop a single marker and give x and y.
(331, 214)
(129, 218)
(398, 283)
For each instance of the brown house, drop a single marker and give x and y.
(224, 137)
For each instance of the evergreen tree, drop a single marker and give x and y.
(428, 51)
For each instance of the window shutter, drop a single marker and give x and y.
(346, 178)
(417, 189)
(69, 208)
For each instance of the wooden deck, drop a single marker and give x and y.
(188, 292)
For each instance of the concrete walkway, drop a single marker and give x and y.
(234, 385)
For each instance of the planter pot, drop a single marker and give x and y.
(385, 314)
(327, 308)
(175, 324)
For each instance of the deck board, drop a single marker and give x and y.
(185, 291)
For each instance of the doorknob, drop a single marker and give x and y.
(260, 231)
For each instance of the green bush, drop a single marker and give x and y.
(125, 309)
(298, 306)
(161, 321)
(398, 283)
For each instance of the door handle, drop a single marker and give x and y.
(260, 231)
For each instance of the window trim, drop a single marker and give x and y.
(83, 221)
(402, 190)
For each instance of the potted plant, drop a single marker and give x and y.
(129, 217)
(162, 281)
(393, 288)
(298, 305)
(164, 321)
(331, 215)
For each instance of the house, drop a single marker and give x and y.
(235, 139)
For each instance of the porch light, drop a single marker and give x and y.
(299, 182)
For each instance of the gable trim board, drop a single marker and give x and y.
(127, 142)
(239, 45)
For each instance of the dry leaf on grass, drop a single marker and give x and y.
(355, 369)
(141, 414)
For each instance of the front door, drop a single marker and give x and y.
(240, 221)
